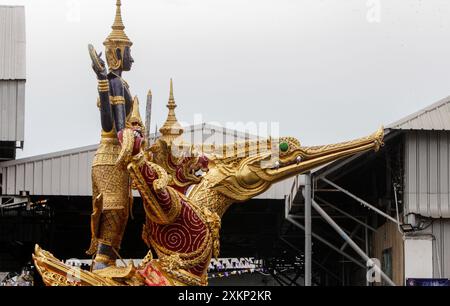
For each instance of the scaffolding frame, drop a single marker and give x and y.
(309, 203)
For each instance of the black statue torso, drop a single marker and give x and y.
(114, 115)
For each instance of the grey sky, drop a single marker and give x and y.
(319, 68)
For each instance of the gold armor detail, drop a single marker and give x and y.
(112, 226)
(117, 100)
(110, 193)
(108, 150)
(111, 209)
(103, 86)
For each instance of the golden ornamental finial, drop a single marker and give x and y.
(118, 35)
(171, 129)
(171, 98)
(118, 22)
(117, 40)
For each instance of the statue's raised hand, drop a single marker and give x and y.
(98, 65)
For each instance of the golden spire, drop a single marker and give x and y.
(118, 23)
(171, 129)
(171, 98)
(118, 35)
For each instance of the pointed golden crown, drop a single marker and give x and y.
(118, 36)
(135, 116)
(171, 129)
(116, 40)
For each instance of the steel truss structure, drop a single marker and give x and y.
(305, 203)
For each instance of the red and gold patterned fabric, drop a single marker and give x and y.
(153, 277)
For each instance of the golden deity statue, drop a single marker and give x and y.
(183, 205)
(111, 191)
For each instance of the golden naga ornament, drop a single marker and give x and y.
(183, 207)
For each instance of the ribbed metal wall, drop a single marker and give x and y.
(427, 173)
(12, 73)
(441, 248)
(12, 110)
(12, 43)
(68, 173)
(60, 174)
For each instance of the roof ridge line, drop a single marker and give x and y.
(428, 109)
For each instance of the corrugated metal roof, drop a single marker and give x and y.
(12, 43)
(434, 117)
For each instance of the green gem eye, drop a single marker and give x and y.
(284, 147)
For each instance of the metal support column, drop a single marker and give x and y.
(351, 243)
(308, 230)
(366, 235)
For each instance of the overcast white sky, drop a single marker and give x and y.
(326, 70)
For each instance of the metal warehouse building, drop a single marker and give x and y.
(12, 80)
(392, 206)
(427, 190)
